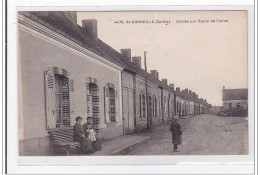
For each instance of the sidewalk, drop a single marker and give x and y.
(121, 145)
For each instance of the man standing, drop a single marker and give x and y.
(176, 133)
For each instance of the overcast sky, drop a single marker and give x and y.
(199, 56)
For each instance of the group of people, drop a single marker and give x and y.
(86, 135)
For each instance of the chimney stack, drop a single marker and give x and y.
(186, 91)
(190, 92)
(164, 81)
(72, 16)
(223, 87)
(91, 26)
(178, 89)
(155, 73)
(171, 85)
(137, 60)
(126, 53)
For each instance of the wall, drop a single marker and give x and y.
(243, 103)
(166, 106)
(36, 55)
(178, 99)
(191, 107)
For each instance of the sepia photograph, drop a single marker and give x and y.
(133, 83)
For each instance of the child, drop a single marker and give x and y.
(92, 135)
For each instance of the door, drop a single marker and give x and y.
(128, 110)
(131, 126)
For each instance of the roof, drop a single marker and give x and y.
(234, 94)
(60, 23)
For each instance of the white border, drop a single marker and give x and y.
(198, 164)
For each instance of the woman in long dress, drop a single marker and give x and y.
(79, 136)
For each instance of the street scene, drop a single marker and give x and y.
(104, 88)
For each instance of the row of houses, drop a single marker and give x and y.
(66, 71)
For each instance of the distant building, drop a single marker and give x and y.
(234, 98)
(215, 109)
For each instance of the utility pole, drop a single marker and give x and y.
(147, 98)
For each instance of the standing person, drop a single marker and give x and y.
(79, 136)
(176, 134)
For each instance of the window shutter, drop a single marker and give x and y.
(65, 102)
(106, 101)
(49, 99)
(71, 84)
(115, 103)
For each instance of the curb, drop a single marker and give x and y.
(127, 149)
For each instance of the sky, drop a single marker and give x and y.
(199, 50)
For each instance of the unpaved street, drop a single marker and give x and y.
(204, 134)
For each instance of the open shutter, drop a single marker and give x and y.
(106, 101)
(49, 99)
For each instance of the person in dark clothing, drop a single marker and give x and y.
(89, 121)
(176, 134)
(79, 136)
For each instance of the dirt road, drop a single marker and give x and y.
(204, 134)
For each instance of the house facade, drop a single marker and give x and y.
(235, 98)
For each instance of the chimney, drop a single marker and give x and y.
(223, 87)
(186, 91)
(155, 73)
(91, 26)
(137, 60)
(164, 81)
(190, 92)
(72, 16)
(178, 89)
(172, 86)
(126, 53)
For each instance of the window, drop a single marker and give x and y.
(110, 95)
(165, 107)
(112, 106)
(230, 105)
(93, 102)
(150, 106)
(143, 106)
(155, 107)
(140, 100)
(57, 94)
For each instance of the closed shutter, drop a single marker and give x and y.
(106, 105)
(49, 99)
(65, 102)
(116, 96)
(95, 106)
